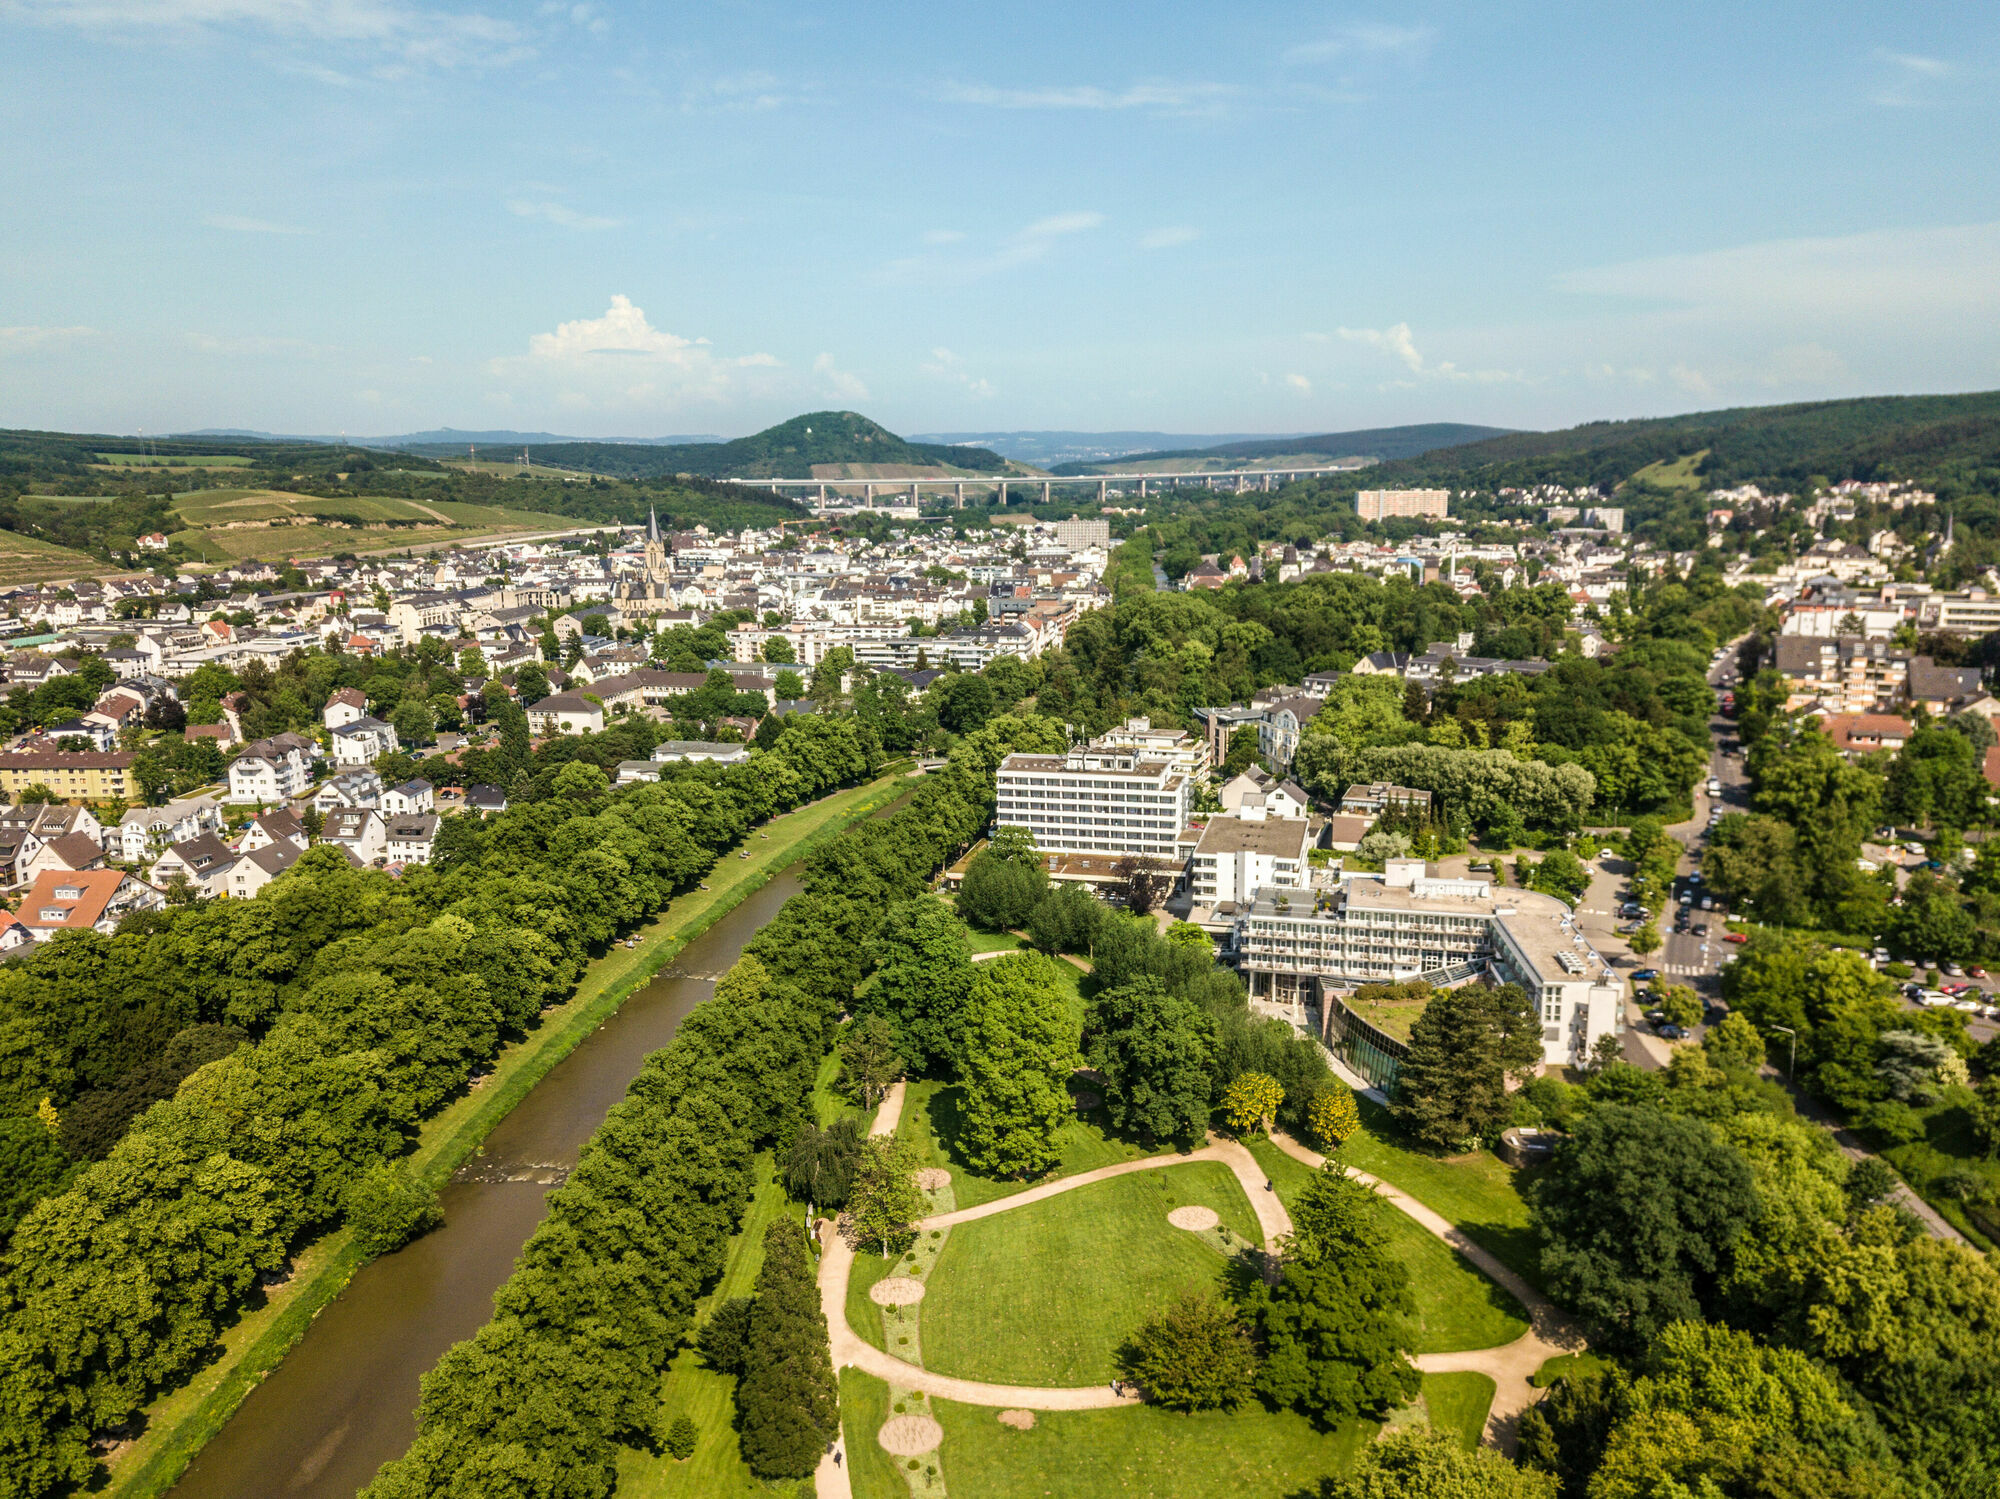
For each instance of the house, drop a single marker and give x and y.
(101, 736)
(359, 830)
(271, 770)
(13, 934)
(67, 854)
(93, 900)
(567, 713)
(411, 796)
(348, 790)
(707, 751)
(1256, 794)
(202, 862)
(257, 868)
(282, 826)
(70, 776)
(1863, 733)
(1344, 834)
(410, 837)
(363, 741)
(1235, 859)
(1940, 688)
(632, 772)
(1284, 721)
(143, 829)
(485, 800)
(1207, 575)
(343, 708)
(1372, 800)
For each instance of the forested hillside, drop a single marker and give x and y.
(1380, 443)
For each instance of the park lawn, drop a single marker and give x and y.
(708, 1397)
(1948, 1146)
(1134, 1452)
(864, 1409)
(930, 1126)
(1046, 1294)
(1458, 1403)
(1457, 1307)
(1479, 1192)
(994, 941)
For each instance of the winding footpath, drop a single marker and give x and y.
(1510, 1366)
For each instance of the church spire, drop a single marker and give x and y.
(652, 524)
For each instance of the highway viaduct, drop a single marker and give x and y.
(910, 491)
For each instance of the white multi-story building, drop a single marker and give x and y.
(271, 770)
(1094, 801)
(1380, 504)
(1237, 858)
(1407, 924)
(1188, 753)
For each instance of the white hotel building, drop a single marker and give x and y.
(1095, 801)
(1306, 947)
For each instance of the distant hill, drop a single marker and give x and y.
(1383, 444)
(441, 437)
(1046, 449)
(1865, 437)
(786, 451)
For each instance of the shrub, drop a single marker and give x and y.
(681, 1438)
(387, 1209)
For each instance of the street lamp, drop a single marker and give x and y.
(1791, 1065)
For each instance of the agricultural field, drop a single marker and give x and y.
(510, 468)
(228, 525)
(1678, 474)
(24, 559)
(176, 461)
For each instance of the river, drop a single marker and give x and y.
(344, 1400)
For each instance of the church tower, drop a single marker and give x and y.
(656, 557)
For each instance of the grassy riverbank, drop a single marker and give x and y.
(181, 1422)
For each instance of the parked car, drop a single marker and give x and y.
(1700, 929)
(1913, 848)
(1880, 955)
(1954, 970)
(1973, 970)
(1932, 999)
(1734, 937)
(1645, 975)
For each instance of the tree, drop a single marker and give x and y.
(1639, 1209)
(999, 892)
(386, 1209)
(1332, 1118)
(1243, 750)
(884, 1199)
(1187, 934)
(923, 980)
(790, 686)
(1252, 1101)
(414, 722)
(1680, 1004)
(787, 1400)
(1195, 1355)
(1335, 1328)
(1146, 882)
(1910, 1065)
(1452, 1086)
(1645, 940)
(870, 1060)
(820, 1165)
(1984, 1115)
(580, 781)
(1563, 875)
(1734, 1045)
(1424, 1462)
(1155, 1050)
(1065, 920)
(724, 1339)
(1020, 1052)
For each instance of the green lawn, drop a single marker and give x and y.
(1136, 1452)
(1948, 1145)
(1479, 1193)
(930, 1125)
(1457, 1307)
(1459, 1402)
(1046, 1294)
(994, 941)
(717, 1465)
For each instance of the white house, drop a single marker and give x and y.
(254, 870)
(411, 796)
(202, 861)
(567, 713)
(1238, 857)
(709, 751)
(343, 708)
(271, 770)
(348, 790)
(359, 830)
(364, 741)
(409, 838)
(92, 900)
(143, 829)
(282, 826)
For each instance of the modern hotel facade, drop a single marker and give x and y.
(1096, 800)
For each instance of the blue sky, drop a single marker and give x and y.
(375, 216)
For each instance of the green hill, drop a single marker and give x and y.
(786, 451)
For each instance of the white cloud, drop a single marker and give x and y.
(1364, 39)
(1026, 245)
(1879, 277)
(1909, 80)
(558, 213)
(620, 361)
(417, 36)
(948, 368)
(843, 384)
(1167, 238)
(1300, 383)
(22, 338)
(585, 17)
(237, 224)
(943, 236)
(1169, 97)
(735, 91)
(1397, 340)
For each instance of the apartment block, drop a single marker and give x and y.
(1381, 504)
(1094, 801)
(1236, 858)
(80, 776)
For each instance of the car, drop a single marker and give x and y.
(1932, 999)
(1880, 955)
(1954, 970)
(1970, 1006)
(1708, 903)
(1645, 975)
(1669, 1032)
(1700, 929)
(1913, 848)
(1973, 970)
(1911, 991)
(1734, 937)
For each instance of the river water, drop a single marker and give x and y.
(344, 1400)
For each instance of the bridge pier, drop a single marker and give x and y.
(916, 500)
(1003, 494)
(961, 494)
(1103, 490)
(1045, 491)
(822, 494)
(1142, 486)
(868, 496)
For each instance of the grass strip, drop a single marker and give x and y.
(182, 1422)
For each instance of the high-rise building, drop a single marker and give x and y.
(1079, 535)
(1380, 504)
(1095, 801)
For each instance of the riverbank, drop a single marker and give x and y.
(182, 1422)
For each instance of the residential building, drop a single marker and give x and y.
(1381, 504)
(485, 800)
(363, 741)
(1257, 795)
(1974, 612)
(1372, 800)
(1078, 535)
(1094, 801)
(281, 826)
(1408, 924)
(411, 796)
(1284, 721)
(93, 900)
(567, 713)
(1187, 753)
(271, 770)
(77, 776)
(144, 829)
(1942, 689)
(201, 861)
(1847, 674)
(343, 708)
(65, 855)
(349, 791)
(410, 837)
(1236, 858)
(1864, 733)
(359, 830)
(257, 868)
(703, 751)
